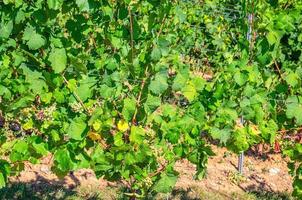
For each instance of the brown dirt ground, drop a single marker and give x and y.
(222, 178)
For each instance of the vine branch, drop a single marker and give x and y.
(131, 33)
(161, 26)
(138, 101)
(76, 96)
(278, 69)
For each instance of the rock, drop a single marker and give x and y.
(274, 171)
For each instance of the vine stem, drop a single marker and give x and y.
(75, 94)
(131, 33)
(278, 68)
(158, 171)
(33, 57)
(161, 26)
(138, 101)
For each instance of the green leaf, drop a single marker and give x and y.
(6, 29)
(239, 142)
(294, 110)
(34, 40)
(4, 92)
(20, 146)
(159, 84)
(152, 103)
(40, 146)
(58, 59)
(85, 90)
(63, 160)
(240, 78)
(55, 4)
(179, 82)
(118, 139)
(20, 151)
(35, 79)
(22, 102)
(189, 92)
(292, 79)
(268, 130)
(165, 184)
(77, 129)
(223, 135)
(130, 158)
(156, 54)
(83, 5)
(198, 83)
(128, 109)
(137, 135)
(180, 14)
(4, 172)
(273, 37)
(2, 181)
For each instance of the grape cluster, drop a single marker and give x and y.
(14, 126)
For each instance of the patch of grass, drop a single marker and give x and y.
(265, 195)
(236, 178)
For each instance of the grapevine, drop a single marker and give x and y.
(129, 87)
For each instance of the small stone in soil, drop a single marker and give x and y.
(274, 171)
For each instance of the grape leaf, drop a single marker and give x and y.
(4, 172)
(159, 84)
(33, 40)
(55, 4)
(240, 78)
(2, 181)
(128, 109)
(294, 110)
(156, 54)
(63, 160)
(189, 92)
(77, 129)
(165, 183)
(223, 135)
(6, 29)
(136, 135)
(179, 82)
(83, 5)
(292, 79)
(58, 59)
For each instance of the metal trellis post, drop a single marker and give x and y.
(250, 17)
(241, 155)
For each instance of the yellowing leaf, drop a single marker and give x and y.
(122, 126)
(28, 125)
(254, 129)
(94, 136)
(96, 125)
(189, 92)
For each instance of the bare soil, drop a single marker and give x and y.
(222, 179)
(269, 175)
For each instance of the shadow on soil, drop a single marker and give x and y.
(43, 189)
